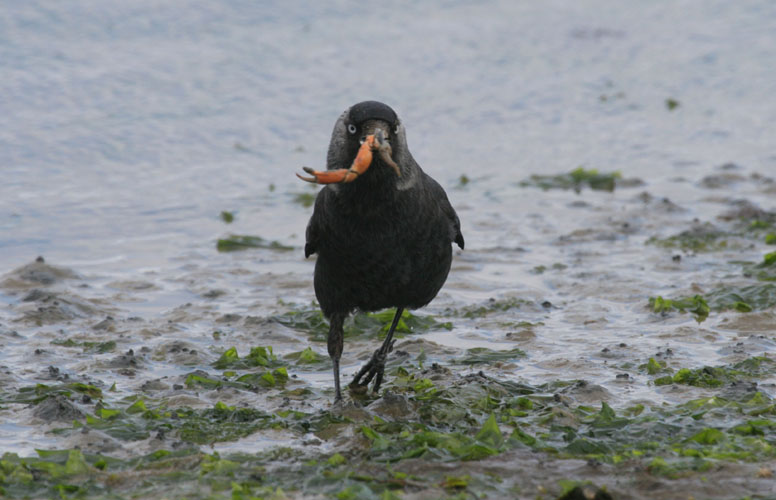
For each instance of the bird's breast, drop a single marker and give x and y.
(383, 256)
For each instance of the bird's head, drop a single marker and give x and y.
(391, 160)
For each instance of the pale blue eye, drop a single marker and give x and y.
(352, 128)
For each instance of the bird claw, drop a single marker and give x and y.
(374, 369)
(360, 387)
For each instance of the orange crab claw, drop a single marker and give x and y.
(328, 176)
(360, 165)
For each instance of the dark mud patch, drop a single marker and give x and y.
(133, 285)
(660, 205)
(107, 325)
(393, 406)
(746, 212)
(721, 180)
(127, 363)
(43, 307)
(585, 392)
(35, 274)
(759, 322)
(589, 235)
(179, 352)
(57, 408)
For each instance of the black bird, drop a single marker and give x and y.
(382, 232)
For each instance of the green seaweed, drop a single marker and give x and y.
(757, 224)
(369, 324)
(708, 376)
(482, 355)
(272, 378)
(198, 380)
(380, 322)
(653, 367)
(307, 357)
(423, 442)
(236, 242)
(717, 376)
(556, 267)
(700, 238)
(305, 199)
(545, 425)
(705, 237)
(576, 180)
(224, 423)
(762, 271)
(756, 297)
(744, 298)
(227, 217)
(490, 307)
(766, 270)
(696, 305)
(40, 392)
(258, 356)
(309, 320)
(463, 418)
(757, 366)
(671, 104)
(88, 347)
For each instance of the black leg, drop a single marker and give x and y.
(376, 366)
(335, 349)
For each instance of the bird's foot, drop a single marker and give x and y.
(374, 369)
(338, 404)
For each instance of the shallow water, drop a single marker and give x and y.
(127, 129)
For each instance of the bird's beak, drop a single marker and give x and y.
(384, 150)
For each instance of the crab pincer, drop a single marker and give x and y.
(360, 165)
(375, 142)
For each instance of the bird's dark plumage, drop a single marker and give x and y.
(382, 240)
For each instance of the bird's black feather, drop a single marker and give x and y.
(372, 110)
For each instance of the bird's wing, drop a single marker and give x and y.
(314, 227)
(437, 193)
